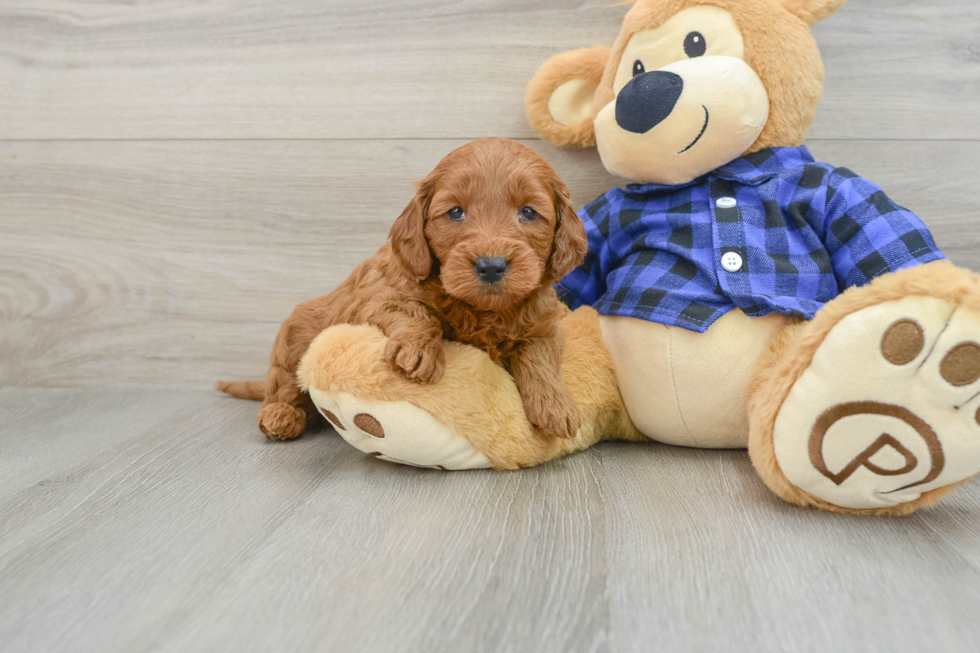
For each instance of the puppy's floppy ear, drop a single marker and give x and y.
(813, 11)
(571, 244)
(560, 97)
(407, 235)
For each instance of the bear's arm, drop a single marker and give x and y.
(867, 234)
(584, 285)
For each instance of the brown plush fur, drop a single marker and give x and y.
(793, 349)
(351, 359)
(421, 287)
(586, 64)
(778, 46)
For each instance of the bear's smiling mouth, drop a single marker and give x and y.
(706, 118)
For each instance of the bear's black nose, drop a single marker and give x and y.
(490, 270)
(647, 99)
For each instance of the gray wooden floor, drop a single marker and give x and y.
(138, 520)
(175, 176)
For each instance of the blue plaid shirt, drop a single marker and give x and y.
(802, 232)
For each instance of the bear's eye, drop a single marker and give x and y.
(638, 68)
(694, 45)
(456, 213)
(528, 214)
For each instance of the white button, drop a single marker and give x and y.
(731, 261)
(726, 202)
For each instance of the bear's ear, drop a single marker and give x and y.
(560, 104)
(813, 11)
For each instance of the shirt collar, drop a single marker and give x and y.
(750, 170)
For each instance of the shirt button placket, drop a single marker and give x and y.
(726, 218)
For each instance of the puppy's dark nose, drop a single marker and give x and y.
(647, 99)
(490, 270)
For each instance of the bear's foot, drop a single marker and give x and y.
(472, 417)
(888, 408)
(397, 431)
(885, 416)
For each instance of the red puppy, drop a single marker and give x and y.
(472, 258)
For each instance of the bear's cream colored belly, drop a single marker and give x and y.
(686, 388)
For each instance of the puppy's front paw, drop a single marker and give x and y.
(551, 410)
(417, 357)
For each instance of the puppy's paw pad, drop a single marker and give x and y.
(888, 407)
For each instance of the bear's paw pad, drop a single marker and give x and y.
(397, 431)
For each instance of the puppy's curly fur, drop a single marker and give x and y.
(492, 198)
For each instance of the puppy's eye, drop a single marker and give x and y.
(694, 44)
(528, 214)
(638, 68)
(456, 213)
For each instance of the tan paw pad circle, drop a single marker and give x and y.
(902, 342)
(961, 365)
(369, 425)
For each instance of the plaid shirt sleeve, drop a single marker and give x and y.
(867, 234)
(584, 285)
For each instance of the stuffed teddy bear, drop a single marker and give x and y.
(737, 294)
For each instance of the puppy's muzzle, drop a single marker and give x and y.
(490, 269)
(647, 100)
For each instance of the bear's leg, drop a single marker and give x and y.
(874, 406)
(473, 417)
